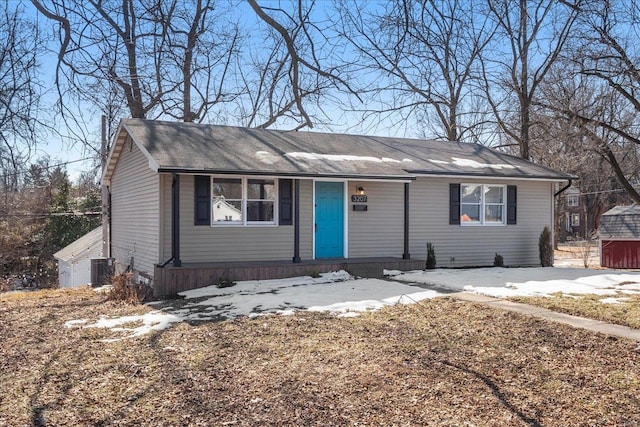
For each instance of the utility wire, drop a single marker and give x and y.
(16, 173)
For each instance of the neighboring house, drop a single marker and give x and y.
(571, 214)
(620, 237)
(302, 202)
(74, 261)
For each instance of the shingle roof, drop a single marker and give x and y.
(90, 242)
(620, 222)
(189, 147)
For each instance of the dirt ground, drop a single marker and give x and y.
(440, 362)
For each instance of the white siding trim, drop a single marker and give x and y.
(345, 219)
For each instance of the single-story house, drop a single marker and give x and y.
(193, 203)
(74, 260)
(619, 235)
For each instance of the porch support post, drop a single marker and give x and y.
(175, 220)
(406, 254)
(296, 221)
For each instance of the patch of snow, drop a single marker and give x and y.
(612, 300)
(374, 304)
(75, 323)
(266, 157)
(507, 282)
(152, 321)
(407, 161)
(390, 273)
(342, 295)
(477, 165)
(439, 162)
(251, 286)
(340, 157)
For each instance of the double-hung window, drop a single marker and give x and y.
(482, 204)
(575, 220)
(261, 197)
(242, 201)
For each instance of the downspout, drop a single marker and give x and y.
(406, 254)
(110, 230)
(563, 189)
(175, 220)
(553, 205)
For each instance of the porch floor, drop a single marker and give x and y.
(170, 280)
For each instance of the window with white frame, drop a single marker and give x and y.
(573, 200)
(482, 204)
(575, 220)
(242, 201)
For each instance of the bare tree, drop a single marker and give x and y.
(167, 58)
(422, 57)
(600, 90)
(531, 37)
(297, 74)
(567, 143)
(19, 91)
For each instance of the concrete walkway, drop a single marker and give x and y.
(575, 321)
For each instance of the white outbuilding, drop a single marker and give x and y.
(74, 261)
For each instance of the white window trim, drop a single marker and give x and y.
(483, 222)
(246, 223)
(575, 223)
(573, 200)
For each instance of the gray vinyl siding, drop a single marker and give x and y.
(135, 221)
(204, 243)
(165, 216)
(379, 231)
(306, 219)
(458, 246)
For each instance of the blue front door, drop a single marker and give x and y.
(329, 227)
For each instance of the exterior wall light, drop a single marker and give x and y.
(360, 191)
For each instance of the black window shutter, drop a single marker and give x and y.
(512, 203)
(454, 203)
(202, 193)
(285, 206)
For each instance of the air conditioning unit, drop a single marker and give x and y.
(102, 270)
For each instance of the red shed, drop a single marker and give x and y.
(620, 237)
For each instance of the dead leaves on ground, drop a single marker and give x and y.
(440, 362)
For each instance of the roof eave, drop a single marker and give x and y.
(168, 169)
(558, 178)
(120, 139)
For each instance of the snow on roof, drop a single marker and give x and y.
(89, 244)
(198, 148)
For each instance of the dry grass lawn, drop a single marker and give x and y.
(440, 363)
(624, 312)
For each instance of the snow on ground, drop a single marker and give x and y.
(341, 294)
(337, 292)
(152, 321)
(510, 282)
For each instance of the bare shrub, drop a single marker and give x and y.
(125, 290)
(585, 249)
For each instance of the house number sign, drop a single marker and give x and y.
(359, 198)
